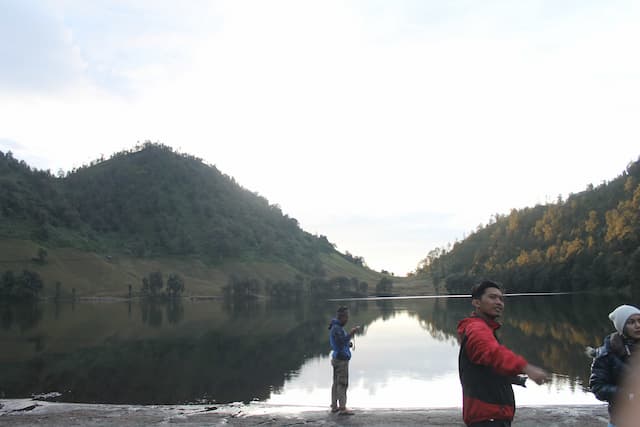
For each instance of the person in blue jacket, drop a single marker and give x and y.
(340, 355)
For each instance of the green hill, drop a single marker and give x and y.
(107, 225)
(152, 202)
(589, 241)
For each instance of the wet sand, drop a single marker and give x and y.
(26, 412)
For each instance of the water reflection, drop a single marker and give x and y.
(397, 365)
(188, 351)
(390, 368)
(25, 316)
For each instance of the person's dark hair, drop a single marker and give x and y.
(342, 310)
(478, 289)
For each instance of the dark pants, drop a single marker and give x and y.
(496, 423)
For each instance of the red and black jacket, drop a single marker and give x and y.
(486, 367)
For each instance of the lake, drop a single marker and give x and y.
(277, 352)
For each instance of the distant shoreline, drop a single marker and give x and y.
(399, 297)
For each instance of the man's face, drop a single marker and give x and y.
(343, 318)
(490, 304)
(632, 327)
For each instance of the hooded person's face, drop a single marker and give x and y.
(632, 327)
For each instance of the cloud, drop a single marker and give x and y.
(128, 45)
(55, 45)
(37, 52)
(10, 145)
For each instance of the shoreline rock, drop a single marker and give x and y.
(28, 412)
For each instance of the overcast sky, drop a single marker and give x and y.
(391, 127)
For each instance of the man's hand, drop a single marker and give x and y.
(538, 375)
(354, 330)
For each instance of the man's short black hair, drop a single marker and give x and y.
(478, 289)
(342, 310)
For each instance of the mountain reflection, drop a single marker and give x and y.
(206, 351)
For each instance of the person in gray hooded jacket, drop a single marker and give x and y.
(612, 361)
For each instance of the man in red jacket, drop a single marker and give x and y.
(487, 368)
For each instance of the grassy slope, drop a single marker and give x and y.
(415, 286)
(97, 275)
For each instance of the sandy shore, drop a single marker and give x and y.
(26, 412)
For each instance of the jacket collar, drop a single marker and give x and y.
(493, 324)
(618, 344)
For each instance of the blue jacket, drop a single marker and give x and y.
(339, 340)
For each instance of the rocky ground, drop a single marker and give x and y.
(25, 412)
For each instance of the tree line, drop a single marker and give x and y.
(589, 241)
(153, 284)
(244, 287)
(25, 285)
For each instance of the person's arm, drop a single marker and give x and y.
(340, 337)
(538, 375)
(600, 381)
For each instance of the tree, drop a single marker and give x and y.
(145, 286)
(156, 282)
(27, 285)
(175, 285)
(7, 283)
(363, 288)
(239, 288)
(152, 284)
(357, 260)
(384, 286)
(41, 257)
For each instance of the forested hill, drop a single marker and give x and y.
(589, 241)
(151, 201)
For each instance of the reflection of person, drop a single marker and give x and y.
(340, 356)
(611, 365)
(487, 368)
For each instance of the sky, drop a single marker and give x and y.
(391, 127)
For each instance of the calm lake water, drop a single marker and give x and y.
(210, 351)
